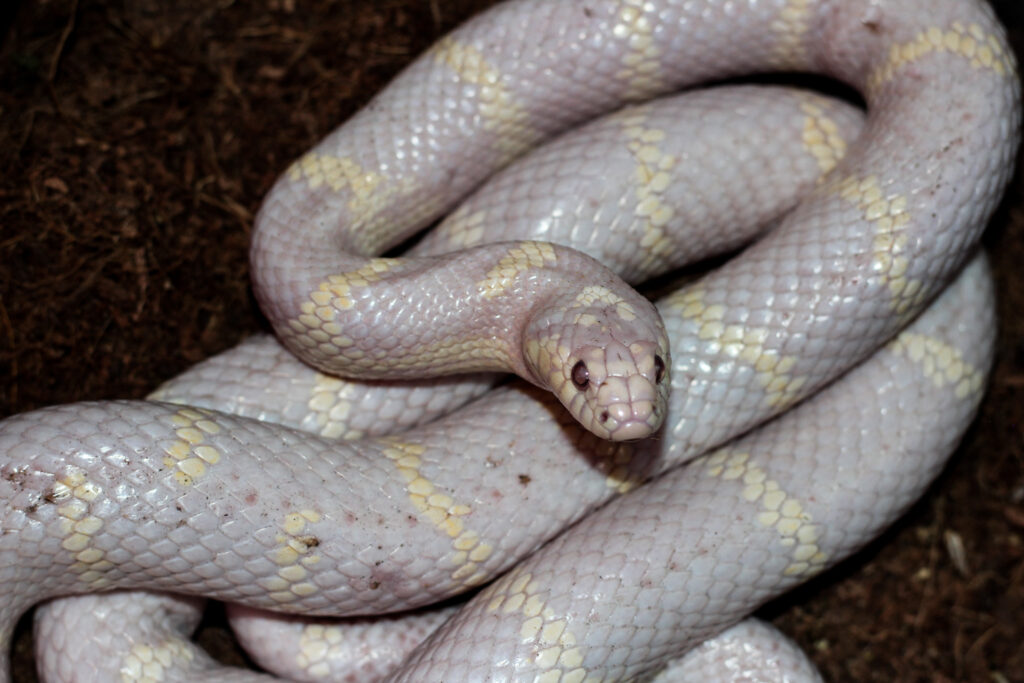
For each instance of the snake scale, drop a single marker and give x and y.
(874, 242)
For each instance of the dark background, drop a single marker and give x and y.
(136, 140)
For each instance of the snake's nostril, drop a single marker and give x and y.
(659, 369)
(604, 416)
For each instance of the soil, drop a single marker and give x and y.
(139, 139)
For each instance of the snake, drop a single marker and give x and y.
(134, 494)
(251, 378)
(909, 447)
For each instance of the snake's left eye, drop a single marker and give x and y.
(659, 369)
(580, 375)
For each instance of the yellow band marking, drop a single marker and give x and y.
(984, 50)
(151, 663)
(315, 645)
(779, 509)
(463, 229)
(335, 293)
(317, 327)
(774, 371)
(641, 63)
(498, 108)
(554, 645)
(443, 512)
(74, 494)
(942, 363)
(521, 258)
(372, 195)
(821, 137)
(792, 27)
(329, 405)
(294, 556)
(652, 176)
(339, 173)
(596, 294)
(888, 213)
(189, 455)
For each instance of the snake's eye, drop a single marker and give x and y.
(580, 375)
(659, 369)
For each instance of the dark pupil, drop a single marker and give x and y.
(580, 375)
(659, 369)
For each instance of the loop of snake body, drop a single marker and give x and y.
(800, 494)
(772, 130)
(151, 495)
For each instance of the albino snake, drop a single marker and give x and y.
(877, 240)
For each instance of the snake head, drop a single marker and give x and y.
(607, 361)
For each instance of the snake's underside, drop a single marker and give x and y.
(278, 513)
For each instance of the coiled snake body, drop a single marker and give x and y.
(183, 499)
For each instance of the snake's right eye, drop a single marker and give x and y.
(580, 375)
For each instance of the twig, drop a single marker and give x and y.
(435, 12)
(65, 34)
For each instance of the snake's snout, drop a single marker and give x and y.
(629, 407)
(630, 422)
